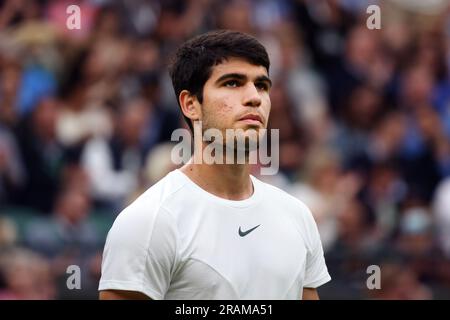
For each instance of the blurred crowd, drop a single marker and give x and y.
(86, 117)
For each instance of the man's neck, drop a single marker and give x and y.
(228, 181)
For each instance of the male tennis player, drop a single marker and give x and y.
(213, 231)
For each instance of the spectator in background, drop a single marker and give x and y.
(69, 233)
(358, 116)
(383, 193)
(356, 247)
(325, 25)
(39, 59)
(161, 120)
(43, 155)
(326, 189)
(114, 165)
(81, 119)
(292, 141)
(399, 283)
(26, 275)
(304, 88)
(415, 240)
(236, 15)
(68, 238)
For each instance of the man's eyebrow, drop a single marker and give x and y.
(241, 76)
(226, 76)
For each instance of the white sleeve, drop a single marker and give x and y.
(316, 273)
(140, 252)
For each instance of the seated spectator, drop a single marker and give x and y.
(68, 232)
(69, 237)
(113, 165)
(398, 282)
(26, 276)
(43, 155)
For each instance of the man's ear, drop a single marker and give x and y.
(190, 105)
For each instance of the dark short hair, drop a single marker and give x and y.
(192, 63)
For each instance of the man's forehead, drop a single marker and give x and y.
(237, 65)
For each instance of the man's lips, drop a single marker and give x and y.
(251, 118)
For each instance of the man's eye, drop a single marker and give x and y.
(262, 86)
(231, 84)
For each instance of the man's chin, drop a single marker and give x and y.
(243, 143)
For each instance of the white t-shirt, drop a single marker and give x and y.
(177, 241)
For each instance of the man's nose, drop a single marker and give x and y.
(251, 96)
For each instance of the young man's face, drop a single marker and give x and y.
(236, 96)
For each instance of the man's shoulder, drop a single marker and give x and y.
(151, 202)
(287, 204)
(162, 191)
(274, 193)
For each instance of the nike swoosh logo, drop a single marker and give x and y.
(244, 233)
